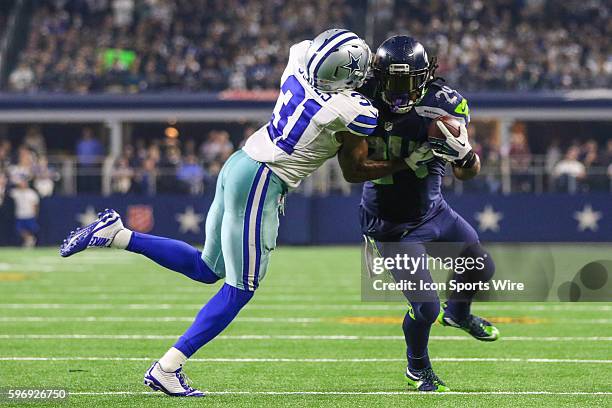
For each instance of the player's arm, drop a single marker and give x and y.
(456, 150)
(354, 162)
(469, 168)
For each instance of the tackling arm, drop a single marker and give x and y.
(354, 162)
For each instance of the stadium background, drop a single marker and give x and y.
(130, 103)
(135, 104)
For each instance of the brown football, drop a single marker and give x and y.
(452, 124)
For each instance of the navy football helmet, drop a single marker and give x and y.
(402, 71)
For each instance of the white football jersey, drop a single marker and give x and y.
(300, 136)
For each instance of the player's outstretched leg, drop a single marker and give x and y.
(98, 234)
(169, 253)
(244, 221)
(476, 326)
(167, 375)
(108, 231)
(457, 311)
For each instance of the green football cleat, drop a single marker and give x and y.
(475, 326)
(425, 380)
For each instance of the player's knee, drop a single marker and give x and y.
(426, 312)
(204, 273)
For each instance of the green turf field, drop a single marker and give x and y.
(94, 322)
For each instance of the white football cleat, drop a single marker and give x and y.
(175, 384)
(98, 234)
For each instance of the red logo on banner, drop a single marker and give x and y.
(140, 218)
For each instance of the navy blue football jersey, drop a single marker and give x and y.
(410, 196)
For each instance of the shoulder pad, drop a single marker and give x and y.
(297, 52)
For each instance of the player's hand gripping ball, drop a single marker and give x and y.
(448, 138)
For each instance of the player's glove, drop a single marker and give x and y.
(452, 149)
(418, 159)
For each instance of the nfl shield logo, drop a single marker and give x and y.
(140, 218)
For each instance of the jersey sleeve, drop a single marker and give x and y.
(363, 124)
(441, 100)
(360, 117)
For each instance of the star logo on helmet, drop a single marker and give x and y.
(353, 64)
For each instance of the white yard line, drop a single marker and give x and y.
(322, 360)
(340, 337)
(298, 306)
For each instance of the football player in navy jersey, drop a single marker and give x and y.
(408, 206)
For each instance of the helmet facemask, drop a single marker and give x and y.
(402, 88)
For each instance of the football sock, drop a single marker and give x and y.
(172, 254)
(416, 333)
(122, 239)
(213, 318)
(418, 363)
(172, 360)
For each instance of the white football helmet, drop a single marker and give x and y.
(337, 59)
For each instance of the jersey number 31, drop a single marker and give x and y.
(285, 138)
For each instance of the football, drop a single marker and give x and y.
(452, 124)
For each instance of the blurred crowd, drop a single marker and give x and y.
(3, 19)
(27, 162)
(25, 177)
(210, 45)
(510, 44)
(186, 165)
(146, 166)
(5, 7)
(187, 45)
(577, 165)
(574, 168)
(169, 166)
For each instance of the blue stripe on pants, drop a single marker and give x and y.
(257, 196)
(245, 233)
(258, 231)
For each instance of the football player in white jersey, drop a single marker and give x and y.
(318, 115)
